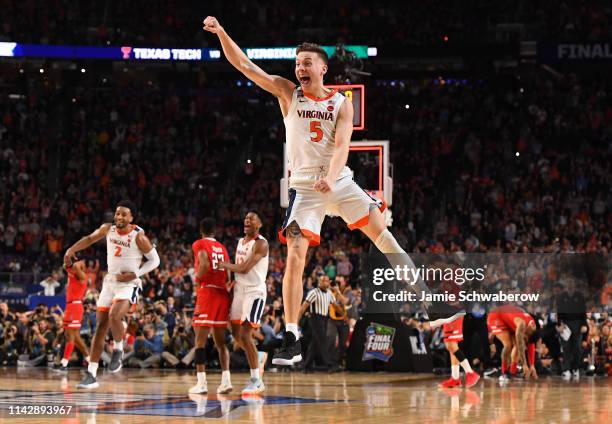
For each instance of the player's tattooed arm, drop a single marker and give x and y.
(506, 353)
(84, 243)
(521, 347)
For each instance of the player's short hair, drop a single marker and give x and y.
(315, 48)
(207, 225)
(129, 205)
(256, 214)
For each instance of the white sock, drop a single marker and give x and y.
(225, 376)
(93, 368)
(201, 377)
(255, 373)
(455, 372)
(118, 345)
(293, 328)
(87, 358)
(64, 362)
(465, 364)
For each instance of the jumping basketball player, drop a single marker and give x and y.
(73, 315)
(515, 328)
(249, 300)
(319, 124)
(126, 244)
(212, 305)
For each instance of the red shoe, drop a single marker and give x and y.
(471, 379)
(451, 382)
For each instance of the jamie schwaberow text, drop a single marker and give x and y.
(462, 296)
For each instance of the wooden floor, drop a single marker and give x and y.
(134, 396)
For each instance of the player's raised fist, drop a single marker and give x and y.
(211, 24)
(323, 185)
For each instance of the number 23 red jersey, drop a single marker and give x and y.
(217, 253)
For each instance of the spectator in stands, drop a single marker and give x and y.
(50, 284)
(148, 349)
(39, 342)
(345, 267)
(5, 314)
(179, 347)
(11, 345)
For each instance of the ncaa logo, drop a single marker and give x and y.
(330, 108)
(371, 331)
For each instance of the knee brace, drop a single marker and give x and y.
(200, 356)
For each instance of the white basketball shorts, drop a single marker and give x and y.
(112, 290)
(308, 208)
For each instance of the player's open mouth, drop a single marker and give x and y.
(304, 80)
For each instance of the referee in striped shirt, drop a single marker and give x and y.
(318, 301)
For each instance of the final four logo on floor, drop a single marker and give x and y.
(379, 342)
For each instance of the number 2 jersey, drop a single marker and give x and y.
(122, 252)
(217, 253)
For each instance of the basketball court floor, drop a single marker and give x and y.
(135, 396)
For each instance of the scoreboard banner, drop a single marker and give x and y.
(589, 52)
(11, 49)
(355, 93)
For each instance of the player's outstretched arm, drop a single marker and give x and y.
(84, 243)
(278, 86)
(260, 250)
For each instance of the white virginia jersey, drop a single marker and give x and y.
(311, 129)
(256, 277)
(122, 252)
